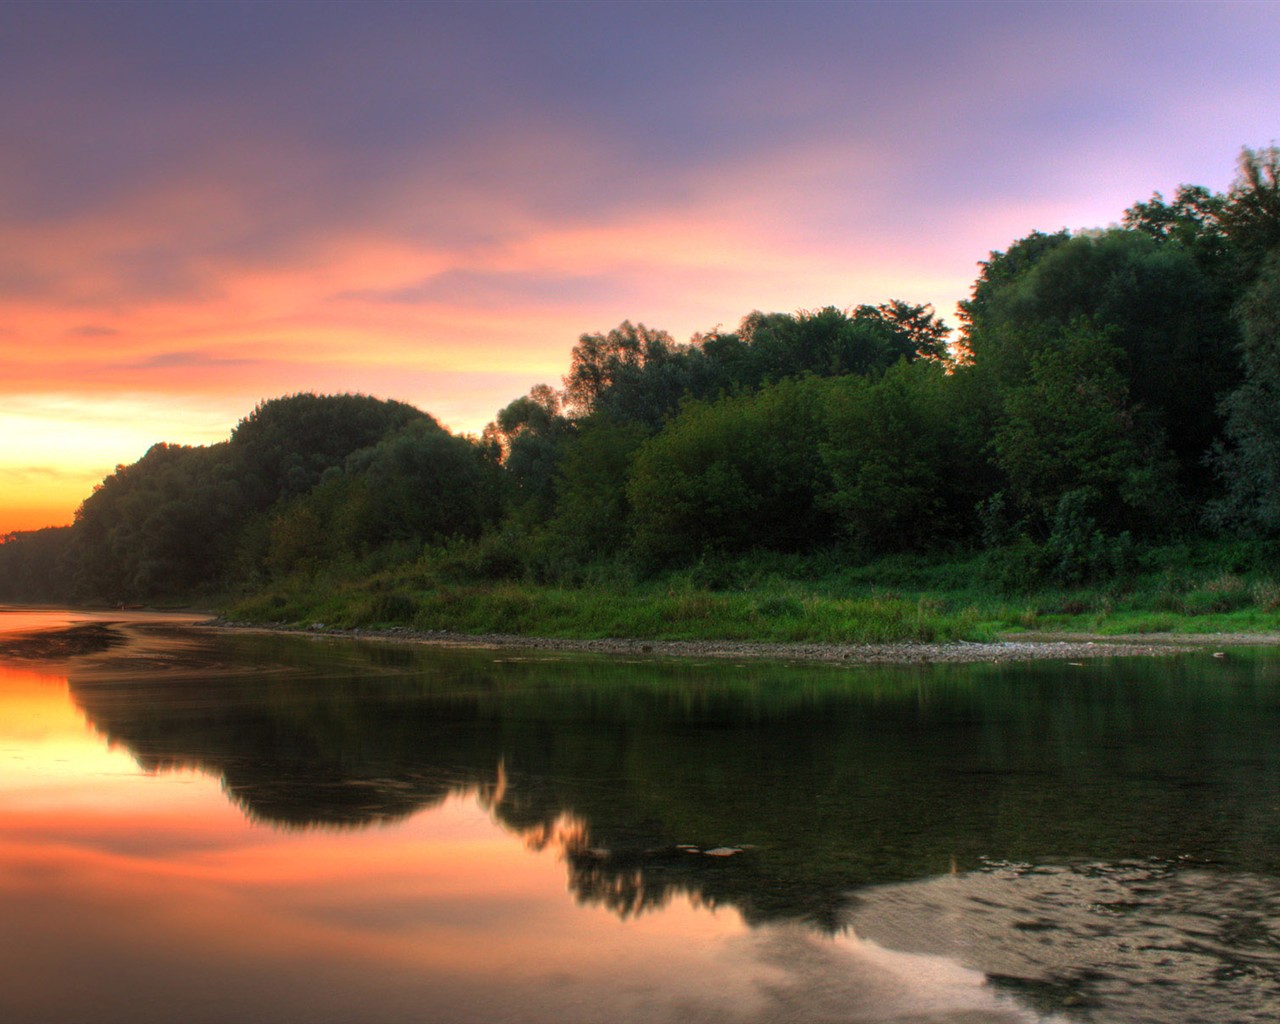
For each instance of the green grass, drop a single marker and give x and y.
(1205, 588)
(645, 611)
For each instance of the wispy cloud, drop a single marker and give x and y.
(22, 475)
(488, 288)
(185, 360)
(203, 205)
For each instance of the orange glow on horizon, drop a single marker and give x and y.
(27, 518)
(459, 330)
(134, 882)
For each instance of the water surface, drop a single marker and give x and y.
(209, 827)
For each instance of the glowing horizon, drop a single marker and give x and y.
(208, 205)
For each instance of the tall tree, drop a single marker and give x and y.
(1071, 427)
(286, 444)
(163, 526)
(902, 467)
(1156, 303)
(830, 342)
(631, 373)
(418, 485)
(1248, 457)
(35, 566)
(592, 510)
(1251, 212)
(529, 435)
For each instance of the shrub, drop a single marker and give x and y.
(393, 607)
(1077, 551)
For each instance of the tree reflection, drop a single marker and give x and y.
(815, 780)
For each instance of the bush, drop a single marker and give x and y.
(740, 474)
(493, 557)
(1077, 551)
(1015, 568)
(394, 607)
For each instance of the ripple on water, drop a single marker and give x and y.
(1160, 943)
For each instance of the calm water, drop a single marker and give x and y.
(211, 828)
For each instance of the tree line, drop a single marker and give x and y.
(1104, 388)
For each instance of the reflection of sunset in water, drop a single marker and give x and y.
(121, 878)
(224, 826)
(46, 742)
(150, 896)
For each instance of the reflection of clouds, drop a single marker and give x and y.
(1124, 942)
(804, 976)
(442, 920)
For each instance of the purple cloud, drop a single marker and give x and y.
(478, 288)
(192, 359)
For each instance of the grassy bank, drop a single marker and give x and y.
(1204, 588)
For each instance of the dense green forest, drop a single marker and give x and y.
(1108, 408)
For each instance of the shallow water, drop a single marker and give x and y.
(210, 827)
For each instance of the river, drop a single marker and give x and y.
(216, 826)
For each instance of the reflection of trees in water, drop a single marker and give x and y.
(827, 781)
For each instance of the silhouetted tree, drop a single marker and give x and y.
(529, 434)
(35, 567)
(285, 445)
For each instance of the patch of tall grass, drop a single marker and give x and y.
(483, 587)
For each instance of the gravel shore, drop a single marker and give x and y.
(90, 638)
(1023, 647)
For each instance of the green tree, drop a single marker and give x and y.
(1251, 211)
(285, 445)
(1248, 457)
(529, 435)
(418, 485)
(1001, 270)
(1072, 427)
(830, 342)
(734, 475)
(163, 526)
(901, 471)
(592, 511)
(634, 374)
(1165, 313)
(1194, 219)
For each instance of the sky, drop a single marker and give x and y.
(207, 205)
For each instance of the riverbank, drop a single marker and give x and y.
(97, 631)
(893, 610)
(1015, 647)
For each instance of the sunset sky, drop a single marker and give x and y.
(203, 205)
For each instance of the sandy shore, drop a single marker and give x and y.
(1021, 647)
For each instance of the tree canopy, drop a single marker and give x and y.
(1104, 383)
